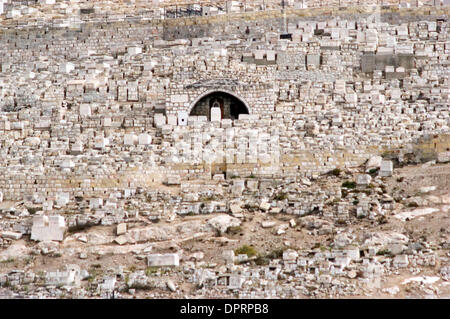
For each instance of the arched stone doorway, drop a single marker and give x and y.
(230, 105)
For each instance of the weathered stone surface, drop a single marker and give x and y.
(121, 229)
(11, 235)
(163, 260)
(222, 222)
(386, 168)
(47, 228)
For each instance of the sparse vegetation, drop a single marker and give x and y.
(281, 196)
(335, 172)
(250, 251)
(349, 184)
(9, 260)
(263, 260)
(151, 271)
(384, 252)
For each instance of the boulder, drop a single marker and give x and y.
(222, 222)
(373, 163)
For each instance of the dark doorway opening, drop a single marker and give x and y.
(230, 106)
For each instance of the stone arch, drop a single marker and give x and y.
(231, 104)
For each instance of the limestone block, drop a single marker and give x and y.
(352, 252)
(351, 98)
(271, 55)
(43, 124)
(106, 122)
(144, 139)
(335, 33)
(396, 94)
(85, 110)
(290, 255)
(339, 86)
(431, 26)
(172, 119)
(48, 228)
(313, 59)
(363, 179)
(179, 98)
(362, 210)
(373, 162)
(163, 260)
(77, 147)
(238, 187)
(442, 157)
(101, 142)
(159, 120)
(173, 180)
(121, 229)
(386, 168)
(268, 224)
(252, 185)
(70, 277)
(130, 139)
(134, 50)
(18, 125)
(218, 177)
(226, 123)
(47, 205)
(389, 68)
(67, 164)
(222, 222)
(66, 67)
(259, 54)
(11, 235)
(236, 281)
(378, 98)
(95, 203)
(401, 261)
(182, 118)
(385, 50)
(62, 199)
(216, 115)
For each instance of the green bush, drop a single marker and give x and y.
(281, 196)
(250, 251)
(384, 252)
(349, 184)
(335, 172)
